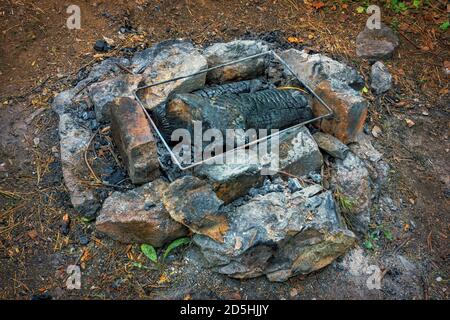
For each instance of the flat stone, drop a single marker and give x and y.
(138, 216)
(298, 155)
(104, 92)
(220, 53)
(373, 159)
(168, 60)
(133, 137)
(192, 202)
(279, 235)
(375, 44)
(352, 181)
(74, 139)
(315, 68)
(231, 181)
(331, 145)
(381, 79)
(338, 85)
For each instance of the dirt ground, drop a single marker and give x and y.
(40, 56)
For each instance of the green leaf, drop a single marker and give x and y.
(365, 90)
(175, 244)
(388, 235)
(444, 26)
(138, 265)
(87, 219)
(402, 6)
(149, 252)
(360, 10)
(368, 244)
(417, 3)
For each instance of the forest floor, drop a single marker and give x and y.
(40, 56)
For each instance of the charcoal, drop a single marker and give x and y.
(247, 86)
(266, 109)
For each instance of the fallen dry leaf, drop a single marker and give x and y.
(409, 122)
(376, 131)
(294, 40)
(66, 218)
(86, 256)
(318, 5)
(293, 292)
(163, 279)
(32, 234)
(238, 243)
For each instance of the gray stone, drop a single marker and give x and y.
(138, 216)
(352, 182)
(298, 155)
(375, 44)
(220, 53)
(315, 68)
(75, 135)
(74, 139)
(192, 202)
(231, 181)
(168, 60)
(381, 79)
(294, 185)
(104, 92)
(144, 59)
(373, 159)
(408, 265)
(279, 235)
(331, 145)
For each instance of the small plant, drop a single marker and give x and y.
(444, 26)
(388, 235)
(397, 6)
(150, 252)
(395, 24)
(371, 241)
(373, 238)
(175, 244)
(346, 203)
(417, 4)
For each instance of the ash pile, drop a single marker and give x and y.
(119, 169)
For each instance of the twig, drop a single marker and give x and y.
(409, 40)
(86, 159)
(124, 68)
(96, 178)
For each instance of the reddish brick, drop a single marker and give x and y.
(350, 111)
(132, 135)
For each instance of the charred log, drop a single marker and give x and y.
(266, 109)
(239, 87)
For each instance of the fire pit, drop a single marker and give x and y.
(225, 142)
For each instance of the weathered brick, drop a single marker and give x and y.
(133, 137)
(338, 85)
(350, 111)
(101, 93)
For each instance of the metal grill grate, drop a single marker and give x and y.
(267, 53)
